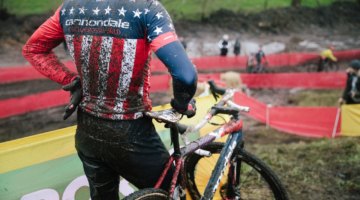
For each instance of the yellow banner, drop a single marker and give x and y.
(59, 143)
(350, 120)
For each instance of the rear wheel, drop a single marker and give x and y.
(148, 194)
(257, 181)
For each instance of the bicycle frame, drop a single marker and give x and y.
(232, 128)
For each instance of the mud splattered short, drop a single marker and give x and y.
(128, 148)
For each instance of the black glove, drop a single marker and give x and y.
(189, 111)
(76, 94)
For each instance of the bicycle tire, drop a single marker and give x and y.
(197, 176)
(148, 194)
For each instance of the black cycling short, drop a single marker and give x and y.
(128, 148)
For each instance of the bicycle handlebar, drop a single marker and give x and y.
(171, 116)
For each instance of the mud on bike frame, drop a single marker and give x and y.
(233, 127)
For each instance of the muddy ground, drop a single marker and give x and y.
(299, 29)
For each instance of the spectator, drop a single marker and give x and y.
(224, 45)
(351, 94)
(327, 60)
(237, 47)
(261, 60)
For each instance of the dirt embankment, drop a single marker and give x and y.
(342, 16)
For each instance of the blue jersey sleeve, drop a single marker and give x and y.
(157, 20)
(182, 71)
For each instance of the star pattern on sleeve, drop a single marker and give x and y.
(82, 10)
(107, 10)
(137, 13)
(158, 30)
(146, 11)
(96, 11)
(63, 11)
(71, 11)
(159, 15)
(122, 11)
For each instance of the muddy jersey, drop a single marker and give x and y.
(110, 42)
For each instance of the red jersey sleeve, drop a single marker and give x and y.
(38, 51)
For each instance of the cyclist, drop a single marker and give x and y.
(351, 94)
(327, 58)
(111, 42)
(250, 63)
(261, 60)
(224, 45)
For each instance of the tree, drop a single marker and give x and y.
(295, 3)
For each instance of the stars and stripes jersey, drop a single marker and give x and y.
(111, 42)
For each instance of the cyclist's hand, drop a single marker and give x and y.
(75, 91)
(189, 111)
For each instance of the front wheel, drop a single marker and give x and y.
(148, 194)
(256, 179)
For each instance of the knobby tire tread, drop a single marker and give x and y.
(148, 194)
(215, 148)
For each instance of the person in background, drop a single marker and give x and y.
(224, 45)
(327, 60)
(111, 42)
(351, 94)
(250, 63)
(261, 60)
(237, 47)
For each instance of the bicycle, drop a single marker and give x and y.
(247, 177)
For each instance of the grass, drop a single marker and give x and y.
(320, 169)
(316, 97)
(184, 9)
(190, 9)
(21, 7)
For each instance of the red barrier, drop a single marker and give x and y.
(24, 73)
(34, 102)
(21, 105)
(211, 63)
(160, 83)
(331, 80)
(214, 63)
(304, 121)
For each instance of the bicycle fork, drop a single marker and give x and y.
(232, 142)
